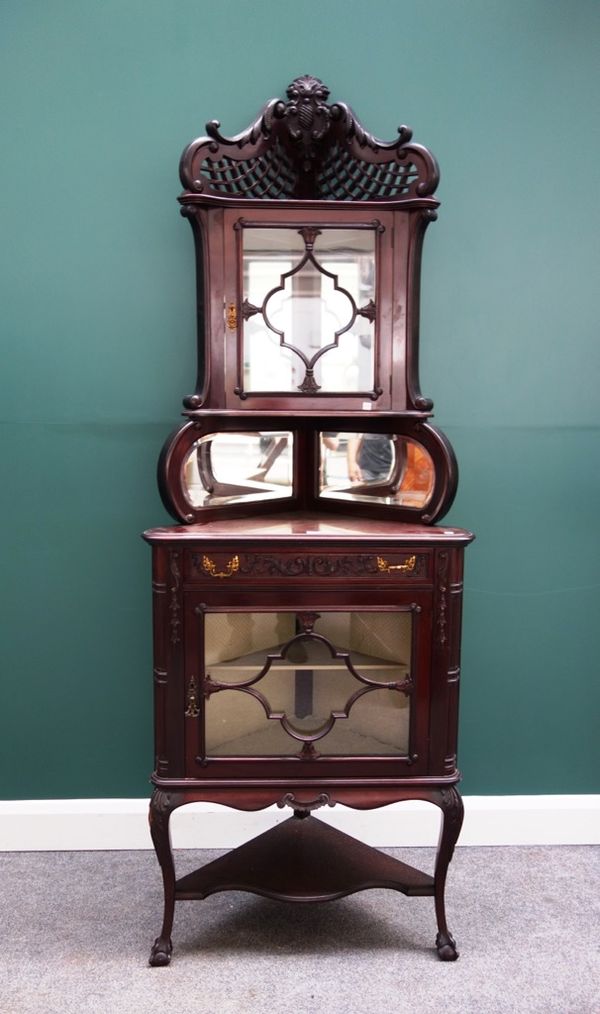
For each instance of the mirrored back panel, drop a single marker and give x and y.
(376, 468)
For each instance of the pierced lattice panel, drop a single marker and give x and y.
(269, 175)
(346, 178)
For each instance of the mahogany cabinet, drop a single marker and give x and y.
(307, 611)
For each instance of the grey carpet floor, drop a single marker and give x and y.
(77, 929)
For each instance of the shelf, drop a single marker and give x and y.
(303, 860)
(254, 661)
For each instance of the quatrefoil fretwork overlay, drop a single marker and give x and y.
(308, 309)
(301, 692)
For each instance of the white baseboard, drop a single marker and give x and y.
(87, 824)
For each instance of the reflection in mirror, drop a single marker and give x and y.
(224, 468)
(309, 309)
(339, 687)
(375, 468)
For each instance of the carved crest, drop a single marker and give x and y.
(306, 148)
(307, 112)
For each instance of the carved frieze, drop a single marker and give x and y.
(411, 566)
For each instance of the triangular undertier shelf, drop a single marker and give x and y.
(303, 859)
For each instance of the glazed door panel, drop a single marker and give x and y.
(305, 683)
(303, 312)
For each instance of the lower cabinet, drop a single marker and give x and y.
(305, 669)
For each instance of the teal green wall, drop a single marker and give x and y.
(97, 317)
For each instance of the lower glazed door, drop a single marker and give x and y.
(297, 684)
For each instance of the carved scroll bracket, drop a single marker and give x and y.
(324, 799)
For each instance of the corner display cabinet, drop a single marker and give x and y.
(306, 609)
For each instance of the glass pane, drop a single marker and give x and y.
(325, 684)
(375, 468)
(224, 468)
(304, 290)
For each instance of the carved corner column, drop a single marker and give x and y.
(161, 673)
(446, 661)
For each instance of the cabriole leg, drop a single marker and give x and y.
(162, 805)
(452, 809)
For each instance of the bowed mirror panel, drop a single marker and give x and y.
(375, 468)
(225, 468)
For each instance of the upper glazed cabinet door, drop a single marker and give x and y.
(308, 233)
(307, 321)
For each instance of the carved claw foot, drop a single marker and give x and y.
(446, 947)
(161, 952)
